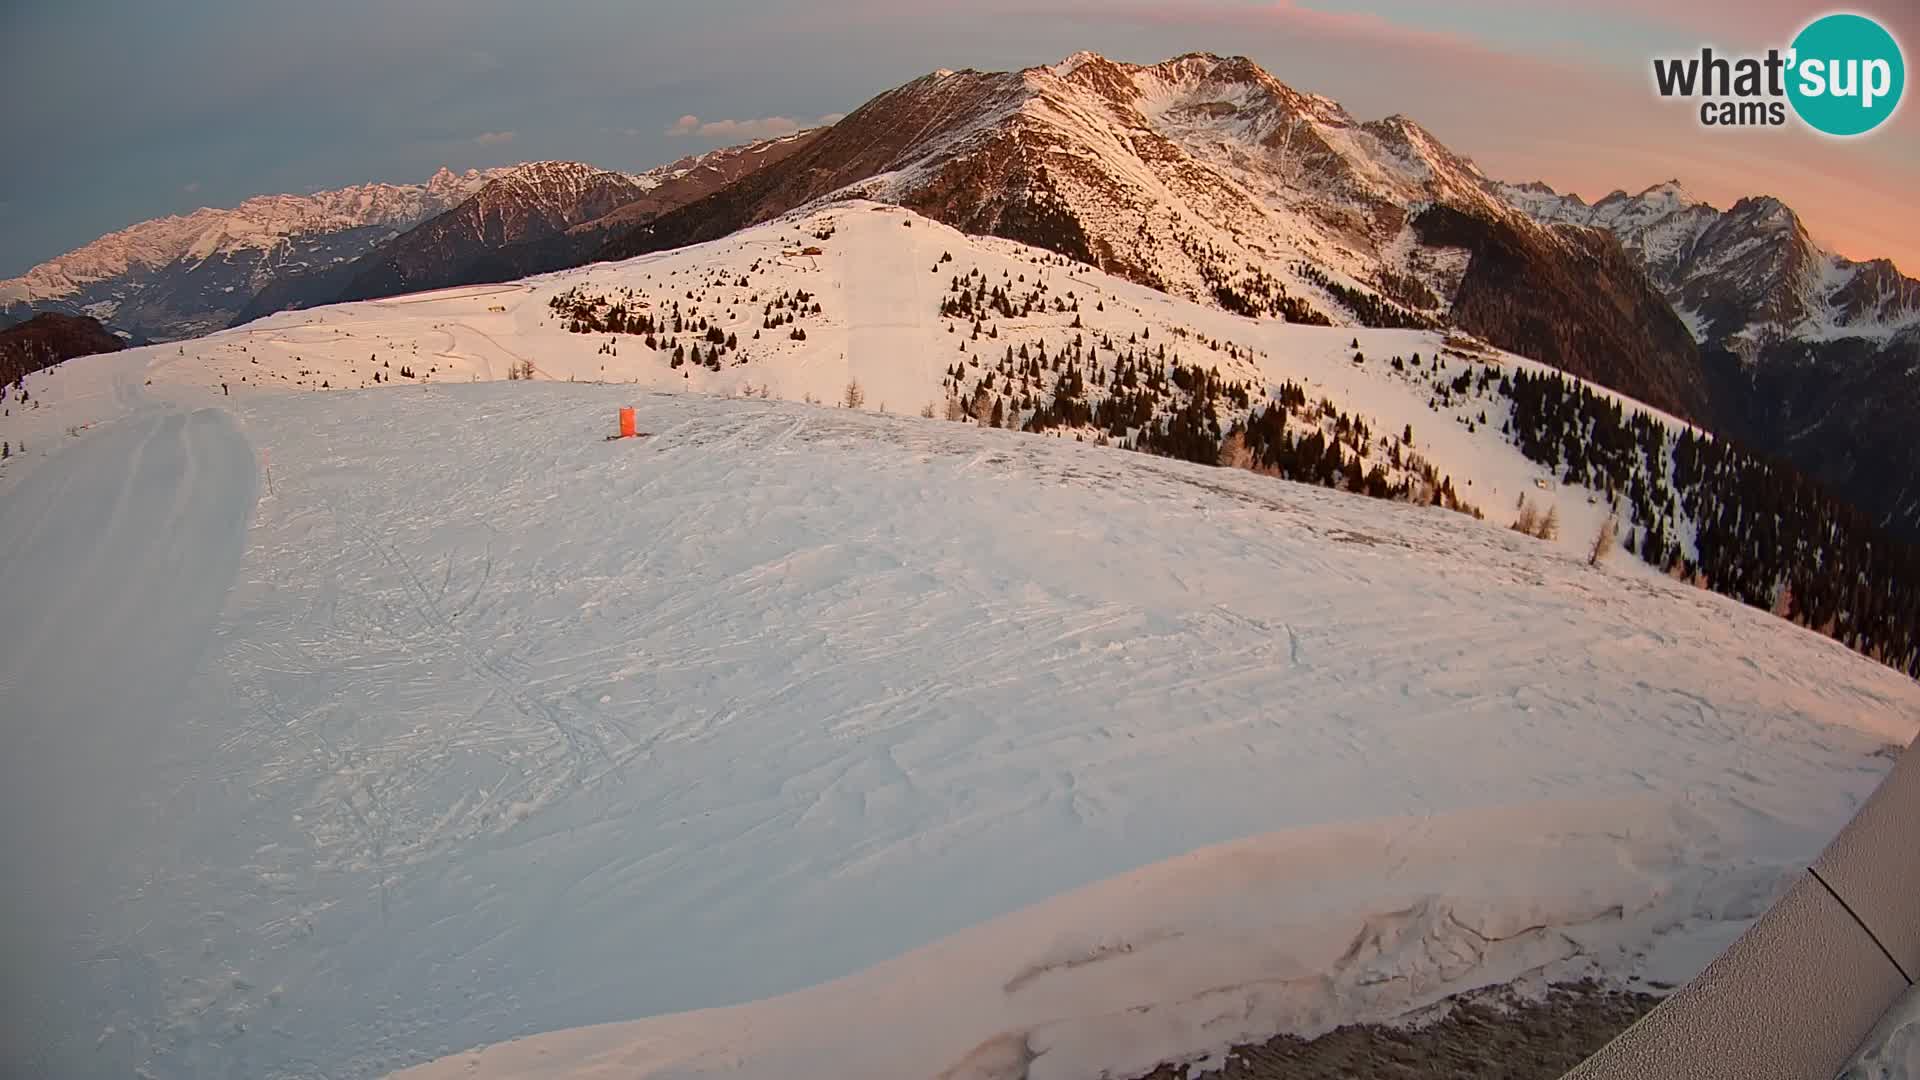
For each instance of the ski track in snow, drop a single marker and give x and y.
(889, 320)
(115, 560)
(484, 726)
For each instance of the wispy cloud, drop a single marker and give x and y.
(766, 127)
(190, 188)
(493, 138)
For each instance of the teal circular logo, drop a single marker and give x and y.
(1847, 74)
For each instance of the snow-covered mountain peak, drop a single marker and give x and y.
(1064, 68)
(551, 181)
(1768, 213)
(1196, 81)
(450, 187)
(1671, 192)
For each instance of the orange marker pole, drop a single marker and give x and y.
(626, 422)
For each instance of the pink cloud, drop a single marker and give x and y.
(766, 127)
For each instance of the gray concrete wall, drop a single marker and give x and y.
(1800, 991)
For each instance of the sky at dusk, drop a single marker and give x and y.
(121, 110)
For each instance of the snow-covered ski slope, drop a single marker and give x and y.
(879, 279)
(989, 751)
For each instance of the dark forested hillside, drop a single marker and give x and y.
(1842, 410)
(1582, 306)
(47, 339)
(1763, 533)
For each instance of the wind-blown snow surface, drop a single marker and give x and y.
(493, 727)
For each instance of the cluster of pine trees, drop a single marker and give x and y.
(1140, 395)
(970, 297)
(628, 312)
(1762, 532)
(18, 359)
(1407, 291)
(1337, 451)
(1252, 291)
(1132, 391)
(1373, 311)
(593, 313)
(783, 309)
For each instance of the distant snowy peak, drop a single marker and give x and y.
(1199, 78)
(557, 193)
(258, 223)
(530, 219)
(447, 184)
(1671, 193)
(1617, 211)
(1740, 276)
(188, 274)
(526, 204)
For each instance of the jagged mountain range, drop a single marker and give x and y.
(1202, 176)
(1742, 277)
(536, 199)
(188, 274)
(536, 217)
(1809, 356)
(185, 275)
